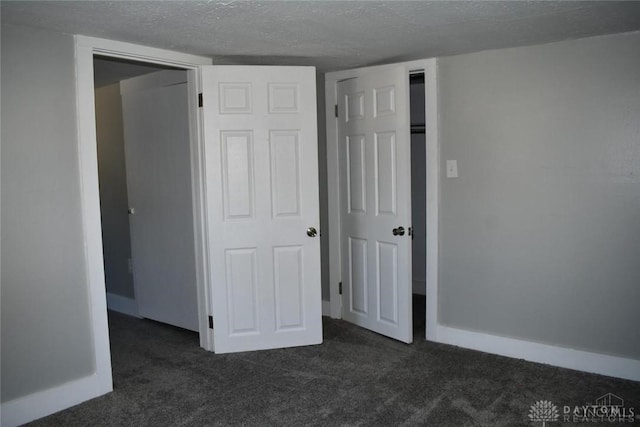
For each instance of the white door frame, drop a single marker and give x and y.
(86, 48)
(429, 66)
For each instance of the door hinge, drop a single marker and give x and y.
(340, 288)
(200, 100)
(336, 110)
(210, 322)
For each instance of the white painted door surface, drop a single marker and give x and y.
(156, 134)
(262, 197)
(375, 176)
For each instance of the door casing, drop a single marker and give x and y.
(86, 48)
(432, 162)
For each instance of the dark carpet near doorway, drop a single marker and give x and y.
(356, 377)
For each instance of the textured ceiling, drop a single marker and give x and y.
(328, 34)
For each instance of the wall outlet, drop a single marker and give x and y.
(452, 168)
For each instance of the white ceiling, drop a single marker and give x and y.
(328, 34)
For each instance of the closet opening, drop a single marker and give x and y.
(418, 201)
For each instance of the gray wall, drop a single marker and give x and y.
(540, 234)
(116, 241)
(46, 328)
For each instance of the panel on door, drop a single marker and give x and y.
(375, 199)
(260, 136)
(156, 134)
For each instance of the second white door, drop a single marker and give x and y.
(375, 176)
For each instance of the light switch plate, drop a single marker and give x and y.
(452, 168)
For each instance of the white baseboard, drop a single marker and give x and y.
(40, 404)
(596, 363)
(326, 308)
(122, 304)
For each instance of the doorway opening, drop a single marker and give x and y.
(144, 174)
(418, 201)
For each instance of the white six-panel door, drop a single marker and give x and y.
(260, 135)
(375, 176)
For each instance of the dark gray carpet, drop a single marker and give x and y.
(356, 377)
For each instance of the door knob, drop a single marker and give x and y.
(131, 211)
(398, 231)
(312, 232)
